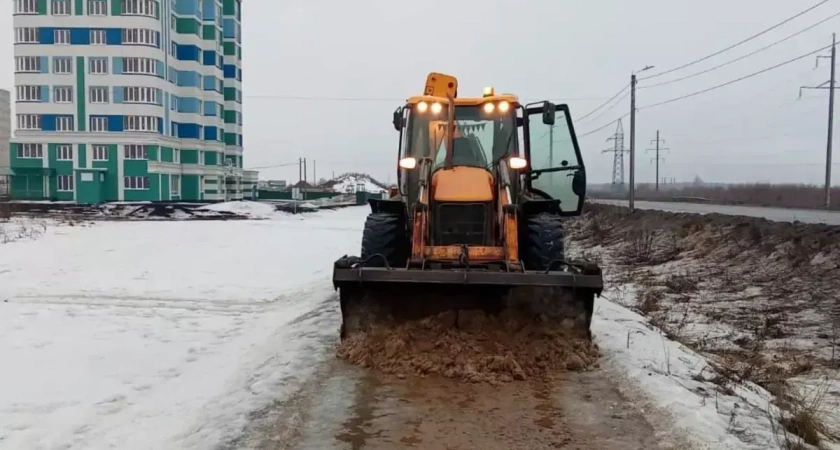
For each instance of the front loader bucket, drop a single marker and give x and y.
(374, 297)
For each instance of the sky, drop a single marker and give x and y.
(322, 78)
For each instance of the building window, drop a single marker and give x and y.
(97, 7)
(140, 8)
(140, 36)
(28, 64)
(30, 151)
(99, 94)
(176, 156)
(26, 7)
(63, 94)
(64, 123)
(143, 66)
(65, 183)
(28, 93)
(134, 151)
(99, 124)
(64, 152)
(97, 37)
(141, 123)
(29, 121)
(63, 65)
(100, 153)
(61, 7)
(26, 35)
(136, 183)
(134, 94)
(99, 66)
(175, 185)
(62, 37)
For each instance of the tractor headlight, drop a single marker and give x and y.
(422, 107)
(408, 163)
(436, 107)
(516, 163)
(489, 107)
(504, 106)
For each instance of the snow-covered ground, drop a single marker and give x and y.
(160, 335)
(147, 335)
(354, 182)
(255, 210)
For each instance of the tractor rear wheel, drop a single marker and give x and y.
(385, 234)
(542, 241)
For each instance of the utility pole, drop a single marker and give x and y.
(314, 177)
(300, 170)
(632, 142)
(304, 178)
(830, 123)
(830, 134)
(551, 146)
(633, 138)
(657, 158)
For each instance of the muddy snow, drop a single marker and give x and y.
(471, 346)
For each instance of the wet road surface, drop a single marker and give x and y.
(346, 407)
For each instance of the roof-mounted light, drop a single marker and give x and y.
(489, 91)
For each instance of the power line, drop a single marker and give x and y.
(735, 80)
(744, 56)
(381, 99)
(273, 166)
(605, 103)
(617, 102)
(736, 44)
(602, 127)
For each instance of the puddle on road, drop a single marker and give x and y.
(354, 430)
(441, 413)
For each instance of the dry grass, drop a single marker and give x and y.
(759, 299)
(10, 232)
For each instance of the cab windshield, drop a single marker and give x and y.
(481, 138)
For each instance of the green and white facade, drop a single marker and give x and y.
(127, 100)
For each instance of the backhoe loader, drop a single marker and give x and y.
(484, 185)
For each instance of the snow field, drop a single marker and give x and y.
(147, 335)
(161, 335)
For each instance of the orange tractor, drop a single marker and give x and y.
(484, 185)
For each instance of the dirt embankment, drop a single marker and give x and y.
(471, 346)
(760, 298)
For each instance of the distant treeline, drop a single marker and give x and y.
(769, 195)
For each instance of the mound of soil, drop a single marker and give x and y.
(471, 346)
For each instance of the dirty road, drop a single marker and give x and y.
(347, 407)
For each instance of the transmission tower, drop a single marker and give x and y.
(618, 152)
(658, 158)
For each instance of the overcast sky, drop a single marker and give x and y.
(375, 53)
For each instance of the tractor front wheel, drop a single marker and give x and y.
(386, 235)
(542, 241)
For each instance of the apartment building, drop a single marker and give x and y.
(127, 100)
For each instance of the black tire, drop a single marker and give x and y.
(542, 241)
(385, 234)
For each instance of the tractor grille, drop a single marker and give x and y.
(462, 224)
